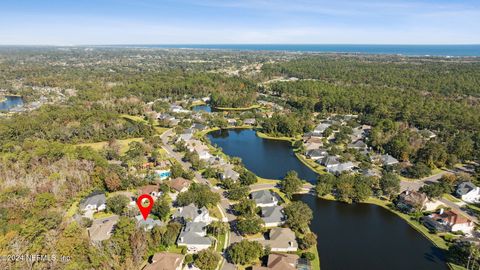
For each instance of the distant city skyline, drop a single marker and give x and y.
(105, 22)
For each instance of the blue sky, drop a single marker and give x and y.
(77, 22)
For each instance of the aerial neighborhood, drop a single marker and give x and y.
(247, 164)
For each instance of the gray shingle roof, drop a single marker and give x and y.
(95, 198)
(465, 187)
(263, 197)
(272, 214)
(189, 212)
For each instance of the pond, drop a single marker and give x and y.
(350, 236)
(202, 108)
(365, 236)
(266, 158)
(10, 102)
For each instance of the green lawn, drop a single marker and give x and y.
(72, 210)
(311, 164)
(221, 242)
(281, 138)
(315, 263)
(123, 144)
(451, 198)
(215, 212)
(133, 118)
(261, 180)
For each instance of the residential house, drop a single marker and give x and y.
(232, 122)
(102, 229)
(388, 160)
(448, 221)
(341, 168)
(316, 154)
(165, 261)
(178, 109)
(329, 161)
(281, 240)
(358, 145)
(249, 121)
(194, 237)
(179, 184)
(228, 172)
(468, 192)
(94, 202)
(312, 145)
(152, 190)
(264, 198)
(428, 134)
(278, 261)
(147, 224)
(320, 129)
(191, 213)
(199, 127)
(410, 201)
(273, 216)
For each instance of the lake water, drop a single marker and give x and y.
(11, 102)
(202, 108)
(266, 158)
(356, 236)
(365, 236)
(411, 50)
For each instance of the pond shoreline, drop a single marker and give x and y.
(433, 239)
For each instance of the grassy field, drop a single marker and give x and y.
(123, 144)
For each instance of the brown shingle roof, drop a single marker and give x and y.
(165, 261)
(179, 183)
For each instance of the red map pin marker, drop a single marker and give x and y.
(143, 206)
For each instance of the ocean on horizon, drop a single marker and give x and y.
(409, 50)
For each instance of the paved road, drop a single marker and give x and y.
(415, 185)
(224, 204)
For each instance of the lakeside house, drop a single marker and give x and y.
(249, 121)
(165, 261)
(191, 213)
(102, 229)
(449, 220)
(411, 201)
(329, 161)
(194, 237)
(341, 168)
(229, 173)
(468, 192)
(273, 216)
(316, 154)
(94, 202)
(281, 240)
(278, 261)
(264, 198)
